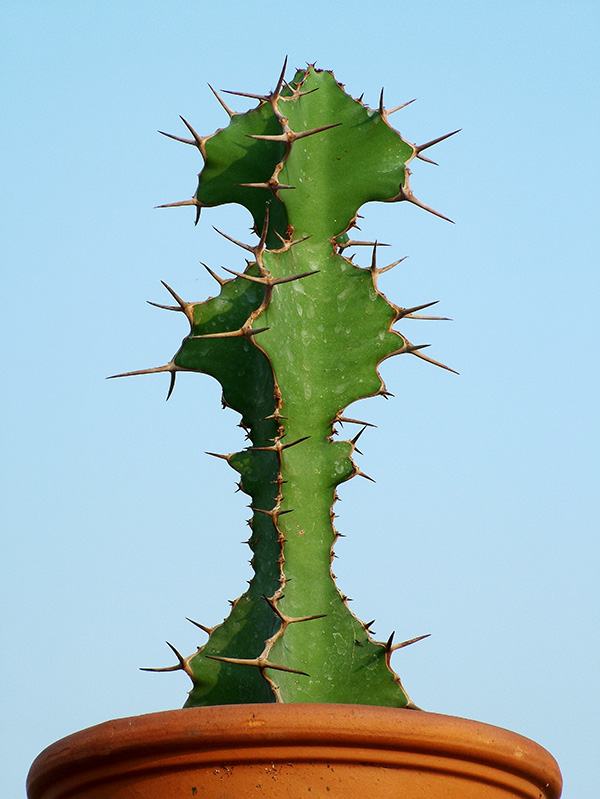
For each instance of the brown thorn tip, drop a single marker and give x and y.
(197, 139)
(432, 361)
(265, 227)
(221, 101)
(407, 194)
(204, 628)
(234, 241)
(171, 385)
(409, 642)
(218, 455)
(177, 138)
(380, 271)
(420, 147)
(164, 307)
(245, 276)
(271, 186)
(181, 665)
(173, 294)
(169, 367)
(164, 669)
(289, 279)
(399, 107)
(362, 474)
(358, 435)
(261, 663)
(354, 421)
(422, 157)
(281, 77)
(408, 347)
(219, 280)
(250, 333)
(181, 203)
(303, 134)
(388, 645)
(293, 443)
(177, 654)
(402, 312)
(262, 97)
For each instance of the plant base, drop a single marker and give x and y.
(293, 751)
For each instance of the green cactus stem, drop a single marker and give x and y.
(293, 340)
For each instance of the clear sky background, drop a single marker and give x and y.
(482, 528)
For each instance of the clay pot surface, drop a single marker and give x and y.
(288, 751)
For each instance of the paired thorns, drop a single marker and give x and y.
(192, 201)
(259, 662)
(289, 136)
(290, 619)
(420, 147)
(263, 98)
(185, 307)
(274, 513)
(273, 185)
(416, 350)
(297, 93)
(356, 437)
(409, 313)
(379, 271)
(375, 270)
(343, 419)
(169, 367)
(386, 113)
(269, 280)
(182, 665)
(196, 141)
(406, 193)
(287, 243)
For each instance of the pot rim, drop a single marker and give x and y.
(362, 733)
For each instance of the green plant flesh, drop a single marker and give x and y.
(293, 340)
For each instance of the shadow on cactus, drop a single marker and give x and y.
(294, 339)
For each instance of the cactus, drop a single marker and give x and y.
(294, 339)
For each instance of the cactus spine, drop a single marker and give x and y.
(294, 339)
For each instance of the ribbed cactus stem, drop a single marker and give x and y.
(294, 339)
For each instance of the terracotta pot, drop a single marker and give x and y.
(291, 751)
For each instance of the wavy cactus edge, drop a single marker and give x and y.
(295, 338)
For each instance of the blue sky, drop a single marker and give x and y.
(482, 528)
